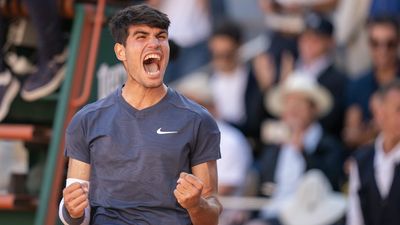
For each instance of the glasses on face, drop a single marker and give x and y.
(389, 44)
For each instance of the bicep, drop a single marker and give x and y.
(207, 173)
(78, 169)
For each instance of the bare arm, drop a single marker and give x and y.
(198, 194)
(76, 194)
(78, 169)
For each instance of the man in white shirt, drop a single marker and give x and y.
(375, 174)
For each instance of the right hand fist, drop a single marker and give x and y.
(76, 199)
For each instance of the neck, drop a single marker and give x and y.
(140, 97)
(311, 61)
(386, 74)
(389, 142)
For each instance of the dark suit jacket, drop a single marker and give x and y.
(327, 157)
(336, 83)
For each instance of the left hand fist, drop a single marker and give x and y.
(188, 190)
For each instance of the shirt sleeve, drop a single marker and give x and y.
(207, 141)
(354, 216)
(76, 146)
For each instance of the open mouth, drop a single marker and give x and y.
(151, 64)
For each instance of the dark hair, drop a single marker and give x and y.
(136, 15)
(385, 89)
(385, 19)
(230, 29)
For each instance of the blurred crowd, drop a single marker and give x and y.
(309, 117)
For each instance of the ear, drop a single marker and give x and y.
(119, 50)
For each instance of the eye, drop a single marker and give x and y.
(162, 37)
(141, 37)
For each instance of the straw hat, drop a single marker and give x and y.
(302, 84)
(314, 202)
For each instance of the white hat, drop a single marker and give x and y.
(314, 202)
(299, 83)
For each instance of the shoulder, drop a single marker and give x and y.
(90, 112)
(362, 80)
(364, 153)
(332, 75)
(328, 139)
(196, 111)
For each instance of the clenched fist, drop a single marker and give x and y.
(188, 190)
(76, 199)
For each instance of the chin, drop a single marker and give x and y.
(153, 84)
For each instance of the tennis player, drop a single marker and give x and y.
(145, 154)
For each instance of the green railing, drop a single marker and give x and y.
(58, 125)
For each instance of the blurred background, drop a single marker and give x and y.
(292, 84)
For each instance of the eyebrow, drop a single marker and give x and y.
(140, 32)
(147, 33)
(162, 32)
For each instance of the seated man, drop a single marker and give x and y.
(299, 102)
(384, 39)
(242, 107)
(375, 173)
(316, 46)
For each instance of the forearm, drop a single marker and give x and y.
(207, 212)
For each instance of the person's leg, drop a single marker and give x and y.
(47, 22)
(9, 85)
(51, 54)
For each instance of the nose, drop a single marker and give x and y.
(154, 42)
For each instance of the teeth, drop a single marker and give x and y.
(152, 56)
(153, 73)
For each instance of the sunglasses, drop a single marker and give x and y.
(390, 44)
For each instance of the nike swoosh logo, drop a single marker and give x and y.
(159, 131)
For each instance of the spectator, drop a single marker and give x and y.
(299, 101)
(384, 37)
(242, 107)
(284, 18)
(351, 34)
(316, 46)
(51, 53)
(375, 173)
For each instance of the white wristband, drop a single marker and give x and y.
(62, 210)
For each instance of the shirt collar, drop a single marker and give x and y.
(240, 71)
(312, 137)
(381, 156)
(317, 67)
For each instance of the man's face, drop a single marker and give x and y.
(390, 114)
(298, 111)
(313, 45)
(384, 45)
(224, 53)
(145, 55)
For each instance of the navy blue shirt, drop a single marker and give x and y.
(136, 156)
(360, 90)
